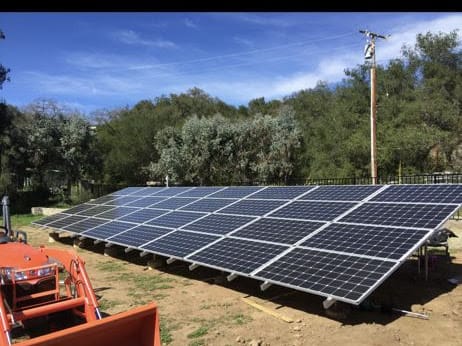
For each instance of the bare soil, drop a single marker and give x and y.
(201, 308)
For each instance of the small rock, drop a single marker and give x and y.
(240, 339)
(255, 343)
(298, 321)
(297, 328)
(298, 335)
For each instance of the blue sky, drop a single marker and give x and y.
(92, 61)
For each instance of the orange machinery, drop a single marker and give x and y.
(50, 290)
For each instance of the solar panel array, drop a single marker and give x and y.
(335, 241)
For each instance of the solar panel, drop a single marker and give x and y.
(108, 229)
(406, 215)
(66, 221)
(175, 219)
(172, 191)
(319, 211)
(127, 191)
(96, 210)
(84, 225)
(334, 275)
(174, 203)
(79, 208)
(145, 202)
(278, 230)
(143, 215)
(237, 255)
(209, 204)
(200, 191)
(421, 194)
(139, 235)
(104, 199)
(122, 201)
(219, 224)
(335, 241)
(341, 192)
(282, 192)
(377, 241)
(147, 191)
(236, 192)
(50, 219)
(116, 213)
(256, 207)
(180, 243)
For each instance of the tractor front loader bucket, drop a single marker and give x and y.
(139, 326)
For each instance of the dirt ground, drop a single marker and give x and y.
(201, 308)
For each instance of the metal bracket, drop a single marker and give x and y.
(97, 241)
(129, 249)
(108, 245)
(231, 277)
(264, 286)
(171, 260)
(82, 238)
(193, 266)
(144, 253)
(327, 303)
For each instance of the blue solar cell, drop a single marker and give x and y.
(147, 191)
(139, 235)
(116, 213)
(219, 224)
(143, 215)
(127, 191)
(236, 192)
(405, 215)
(146, 202)
(175, 219)
(50, 219)
(278, 230)
(236, 255)
(172, 191)
(84, 225)
(174, 203)
(79, 208)
(282, 192)
(103, 199)
(341, 192)
(122, 201)
(252, 207)
(179, 243)
(95, 210)
(320, 211)
(208, 204)
(451, 193)
(200, 191)
(62, 223)
(108, 230)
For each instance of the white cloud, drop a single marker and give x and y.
(132, 38)
(190, 24)
(244, 42)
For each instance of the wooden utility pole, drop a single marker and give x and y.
(369, 53)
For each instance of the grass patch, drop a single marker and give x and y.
(165, 332)
(201, 331)
(150, 283)
(197, 343)
(20, 220)
(105, 304)
(241, 319)
(112, 266)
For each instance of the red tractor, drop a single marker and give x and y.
(49, 289)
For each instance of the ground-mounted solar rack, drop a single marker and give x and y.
(340, 242)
